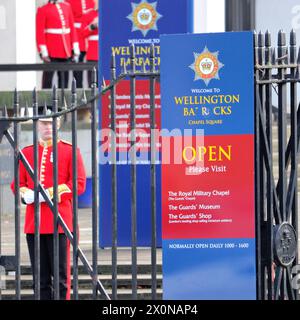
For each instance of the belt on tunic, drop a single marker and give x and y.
(58, 31)
(94, 37)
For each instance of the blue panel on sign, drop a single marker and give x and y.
(122, 25)
(216, 74)
(209, 269)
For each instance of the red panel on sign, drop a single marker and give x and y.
(142, 102)
(214, 197)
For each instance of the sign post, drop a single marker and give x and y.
(208, 208)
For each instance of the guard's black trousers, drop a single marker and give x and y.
(47, 264)
(63, 76)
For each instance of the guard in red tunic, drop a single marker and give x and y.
(80, 8)
(90, 31)
(65, 187)
(56, 37)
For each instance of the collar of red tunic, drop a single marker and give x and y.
(46, 144)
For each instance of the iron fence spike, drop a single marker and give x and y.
(5, 113)
(54, 93)
(94, 75)
(260, 39)
(268, 39)
(16, 103)
(132, 51)
(83, 97)
(255, 39)
(113, 61)
(45, 108)
(74, 95)
(65, 105)
(293, 38)
(16, 96)
(26, 111)
(124, 68)
(34, 95)
(152, 51)
(34, 102)
(103, 83)
(281, 38)
(74, 86)
(132, 57)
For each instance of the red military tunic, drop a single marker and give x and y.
(65, 184)
(56, 36)
(92, 36)
(80, 8)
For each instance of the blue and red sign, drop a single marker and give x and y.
(139, 22)
(123, 23)
(208, 212)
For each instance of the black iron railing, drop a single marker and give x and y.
(16, 119)
(276, 78)
(13, 139)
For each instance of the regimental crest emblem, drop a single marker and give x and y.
(206, 66)
(144, 16)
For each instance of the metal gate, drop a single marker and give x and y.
(14, 120)
(277, 147)
(5, 123)
(276, 76)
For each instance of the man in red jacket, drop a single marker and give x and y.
(56, 38)
(90, 31)
(80, 8)
(65, 186)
